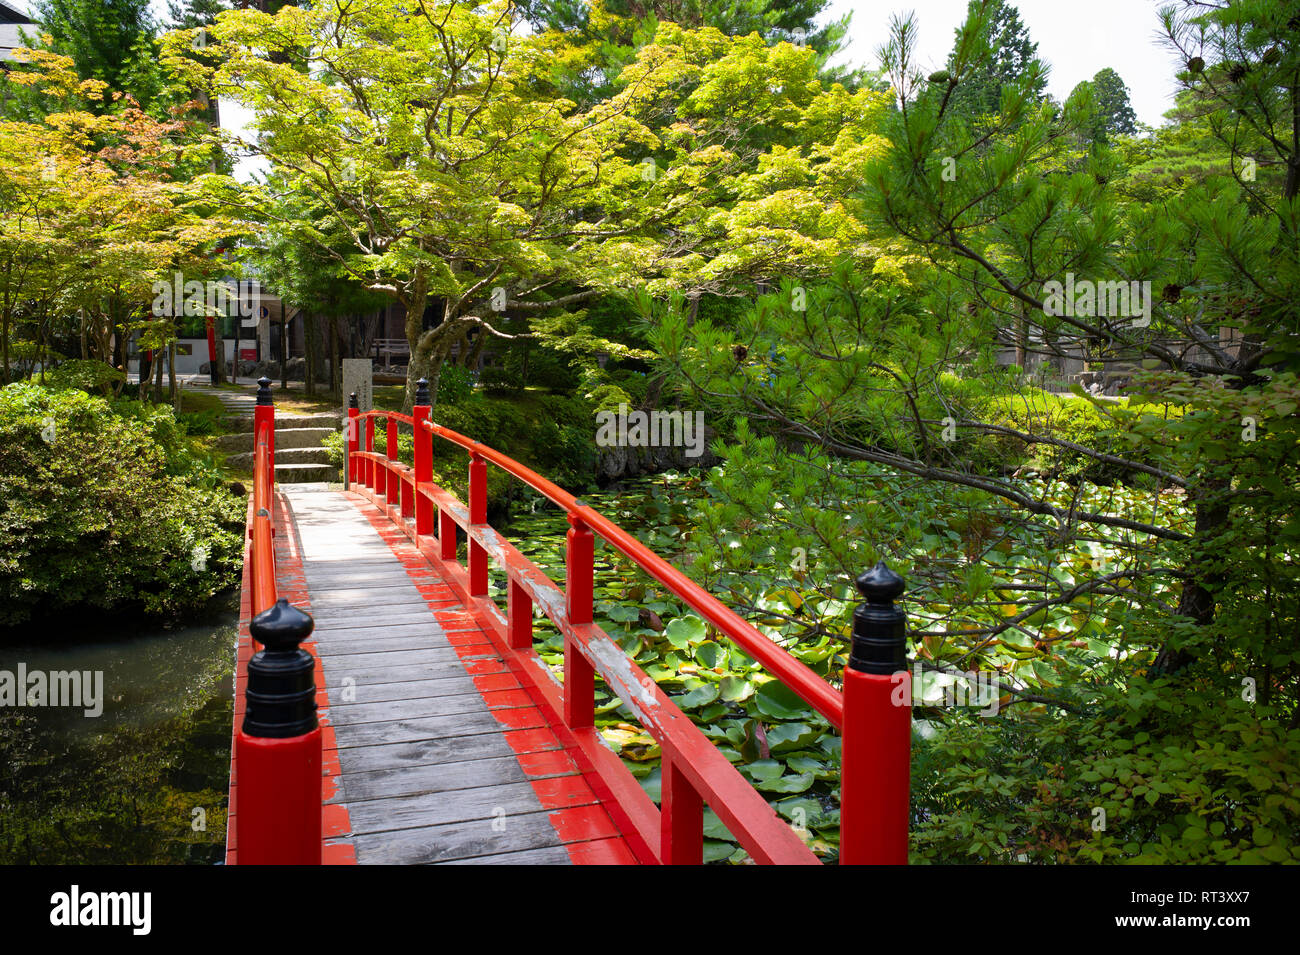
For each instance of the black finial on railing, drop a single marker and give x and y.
(879, 628)
(264, 391)
(422, 392)
(352, 400)
(280, 700)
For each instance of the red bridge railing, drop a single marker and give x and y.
(872, 713)
(276, 759)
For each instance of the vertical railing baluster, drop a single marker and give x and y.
(478, 558)
(372, 472)
(423, 460)
(352, 441)
(264, 419)
(519, 617)
(579, 676)
(875, 767)
(392, 481)
(681, 818)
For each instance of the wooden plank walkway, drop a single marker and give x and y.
(442, 755)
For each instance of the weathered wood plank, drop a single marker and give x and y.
(423, 752)
(427, 774)
(429, 778)
(435, 727)
(461, 841)
(497, 803)
(550, 855)
(352, 661)
(447, 684)
(389, 710)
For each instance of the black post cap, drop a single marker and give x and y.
(879, 628)
(422, 392)
(280, 699)
(264, 391)
(352, 400)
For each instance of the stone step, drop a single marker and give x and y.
(304, 473)
(244, 462)
(243, 424)
(285, 438)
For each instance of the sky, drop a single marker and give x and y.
(1075, 39)
(1121, 34)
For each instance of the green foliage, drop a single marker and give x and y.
(1151, 776)
(455, 384)
(1006, 56)
(85, 374)
(100, 510)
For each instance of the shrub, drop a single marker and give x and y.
(84, 374)
(455, 384)
(98, 509)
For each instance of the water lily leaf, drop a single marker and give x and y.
(786, 784)
(716, 851)
(711, 655)
(774, 699)
(790, 736)
(622, 614)
(762, 770)
(713, 827)
(734, 689)
(684, 630)
(705, 693)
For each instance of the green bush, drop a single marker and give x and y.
(100, 508)
(455, 384)
(1150, 775)
(84, 374)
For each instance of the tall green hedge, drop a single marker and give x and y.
(102, 507)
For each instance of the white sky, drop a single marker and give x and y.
(1076, 39)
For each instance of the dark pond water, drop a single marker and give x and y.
(143, 781)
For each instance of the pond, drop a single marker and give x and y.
(142, 781)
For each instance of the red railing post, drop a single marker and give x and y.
(423, 459)
(875, 767)
(352, 443)
(376, 472)
(681, 819)
(392, 482)
(278, 748)
(478, 558)
(381, 475)
(519, 617)
(264, 417)
(579, 675)
(369, 473)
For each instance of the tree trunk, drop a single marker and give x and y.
(1196, 601)
(284, 347)
(173, 392)
(1022, 335)
(309, 344)
(157, 380)
(421, 364)
(336, 378)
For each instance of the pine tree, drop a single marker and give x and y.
(1112, 112)
(109, 40)
(1010, 52)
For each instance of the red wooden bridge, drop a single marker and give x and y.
(395, 714)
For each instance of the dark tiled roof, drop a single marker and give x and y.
(9, 15)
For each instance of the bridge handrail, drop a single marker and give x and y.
(872, 712)
(262, 552)
(811, 688)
